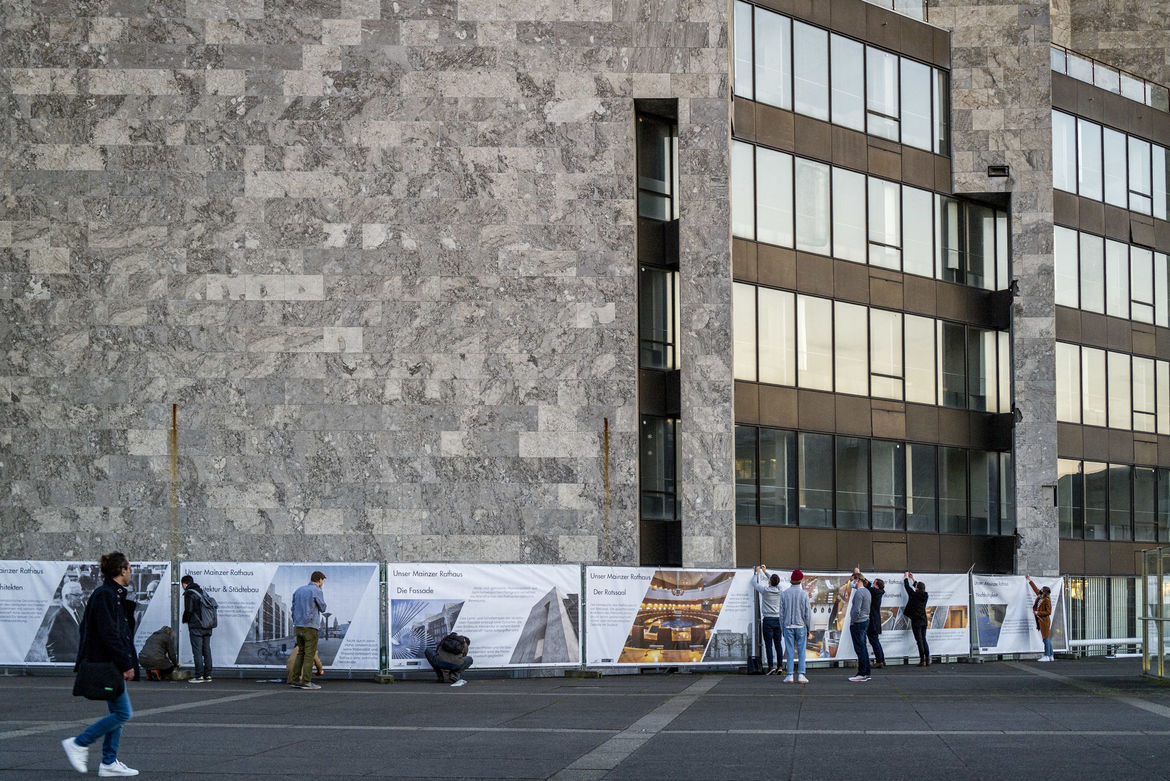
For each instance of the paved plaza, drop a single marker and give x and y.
(1004, 720)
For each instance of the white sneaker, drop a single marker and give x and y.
(116, 769)
(197, 680)
(78, 756)
(460, 682)
(788, 679)
(859, 679)
(1045, 659)
(801, 679)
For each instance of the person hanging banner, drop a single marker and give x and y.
(1003, 614)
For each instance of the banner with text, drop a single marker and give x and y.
(516, 615)
(42, 603)
(1003, 614)
(255, 627)
(647, 616)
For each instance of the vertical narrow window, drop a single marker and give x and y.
(1120, 504)
(921, 382)
(952, 490)
(743, 50)
(952, 365)
(981, 370)
(655, 167)
(1144, 397)
(812, 207)
(1120, 386)
(1145, 486)
(746, 462)
(743, 307)
(1092, 273)
(1064, 152)
(888, 507)
(1057, 59)
(1064, 254)
(885, 354)
(946, 239)
(852, 483)
(1140, 187)
(815, 463)
(1162, 368)
(1161, 182)
(1068, 383)
(885, 228)
(1089, 159)
(773, 197)
(1141, 284)
(773, 59)
(777, 477)
(851, 349)
(916, 118)
(1004, 355)
(1093, 396)
(984, 492)
(777, 336)
(658, 318)
(1070, 499)
(849, 237)
(1001, 250)
(810, 70)
(941, 113)
(1161, 289)
(922, 488)
(848, 70)
(1007, 495)
(1163, 505)
(743, 190)
(881, 93)
(917, 231)
(1117, 279)
(659, 466)
(814, 343)
(979, 246)
(1116, 190)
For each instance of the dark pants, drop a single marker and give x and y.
(441, 667)
(302, 667)
(773, 638)
(857, 633)
(875, 639)
(201, 650)
(919, 630)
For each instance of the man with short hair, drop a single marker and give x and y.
(859, 624)
(65, 627)
(877, 591)
(200, 635)
(308, 603)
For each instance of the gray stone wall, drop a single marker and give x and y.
(1001, 93)
(1129, 34)
(378, 254)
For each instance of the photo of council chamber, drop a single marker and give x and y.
(676, 621)
(989, 622)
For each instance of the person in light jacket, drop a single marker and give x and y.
(796, 618)
(308, 603)
(1042, 610)
(915, 612)
(859, 625)
(770, 628)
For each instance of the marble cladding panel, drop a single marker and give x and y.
(1127, 34)
(377, 259)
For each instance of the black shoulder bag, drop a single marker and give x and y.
(98, 681)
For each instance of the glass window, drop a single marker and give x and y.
(941, 111)
(852, 483)
(774, 197)
(1120, 386)
(952, 490)
(773, 59)
(814, 342)
(1162, 368)
(981, 367)
(1120, 508)
(1141, 284)
(1144, 404)
(657, 318)
(921, 489)
(917, 233)
(1117, 279)
(1068, 383)
(1106, 78)
(984, 492)
(1163, 505)
(1089, 159)
(1057, 59)
(889, 485)
(851, 351)
(921, 381)
(1001, 250)
(1161, 292)
(812, 206)
(658, 467)
(1093, 386)
(1145, 522)
(952, 368)
(1069, 498)
(777, 477)
(1113, 144)
(745, 475)
(816, 479)
(743, 191)
(743, 308)
(777, 329)
(848, 68)
(1160, 181)
(1007, 493)
(655, 167)
(1064, 159)
(811, 70)
(849, 241)
(1005, 371)
(1080, 68)
(916, 125)
(946, 239)
(1096, 477)
(743, 50)
(881, 92)
(1140, 187)
(1092, 273)
(885, 352)
(885, 229)
(1064, 254)
(979, 265)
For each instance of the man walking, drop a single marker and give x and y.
(308, 603)
(859, 625)
(194, 616)
(796, 618)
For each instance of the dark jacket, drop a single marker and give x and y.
(159, 652)
(107, 628)
(875, 609)
(191, 611)
(915, 609)
(453, 649)
(64, 637)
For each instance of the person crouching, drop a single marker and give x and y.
(450, 659)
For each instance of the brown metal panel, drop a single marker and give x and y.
(855, 549)
(1090, 215)
(778, 406)
(747, 402)
(923, 552)
(1116, 223)
(888, 423)
(1072, 555)
(1096, 443)
(1121, 558)
(1064, 92)
(812, 137)
(1145, 449)
(816, 411)
(780, 547)
(743, 119)
(1094, 329)
(919, 294)
(850, 148)
(1120, 446)
(942, 175)
(1068, 324)
(776, 266)
(814, 11)
(1064, 208)
(848, 18)
(884, 163)
(1089, 103)
(883, 28)
(954, 427)
(890, 557)
(1119, 334)
(853, 416)
(921, 423)
(1162, 235)
(1069, 441)
(743, 260)
(955, 553)
(1141, 230)
(1163, 451)
(774, 127)
(917, 167)
(956, 302)
(942, 48)
(885, 292)
(814, 274)
(747, 545)
(1162, 336)
(1144, 340)
(851, 281)
(818, 549)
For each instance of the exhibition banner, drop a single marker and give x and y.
(516, 615)
(1004, 621)
(42, 603)
(647, 616)
(255, 613)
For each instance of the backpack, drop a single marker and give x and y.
(206, 611)
(453, 644)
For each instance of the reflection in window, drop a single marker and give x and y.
(777, 341)
(981, 384)
(1113, 144)
(745, 474)
(1119, 384)
(1092, 273)
(743, 50)
(812, 206)
(773, 55)
(743, 309)
(814, 343)
(952, 369)
(1120, 524)
(852, 483)
(1141, 284)
(881, 69)
(917, 233)
(1163, 505)
(1069, 498)
(658, 468)
(1064, 164)
(941, 112)
(1096, 477)
(851, 353)
(1093, 396)
(656, 169)
(1064, 257)
(885, 352)
(1116, 279)
(921, 490)
(1068, 383)
(921, 381)
(773, 197)
(816, 480)
(743, 190)
(1144, 403)
(885, 229)
(984, 492)
(849, 238)
(889, 480)
(811, 70)
(1140, 187)
(1145, 522)
(1007, 494)
(916, 120)
(1089, 159)
(848, 78)
(658, 318)
(777, 477)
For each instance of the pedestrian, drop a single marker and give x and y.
(770, 628)
(308, 603)
(159, 657)
(107, 635)
(877, 590)
(450, 659)
(1042, 611)
(195, 611)
(915, 612)
(859, 625)
(796, 618)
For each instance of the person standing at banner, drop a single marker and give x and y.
(915, 612)
(199, 634)
(859, 625)
(877, 590)
(1042, 610)
(107, 635)
(796, 618)
(308, 603)
(770, 626)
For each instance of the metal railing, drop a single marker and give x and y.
(1115, 80)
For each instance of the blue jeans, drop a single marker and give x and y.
(857, 634)
(110, 727)
(796, 639)
(770, 628)
(1048, 646)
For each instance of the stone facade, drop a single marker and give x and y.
(375, 261)
(1128, 34)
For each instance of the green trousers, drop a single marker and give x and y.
(302, 668)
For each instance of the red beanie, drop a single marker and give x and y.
(797, 576)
